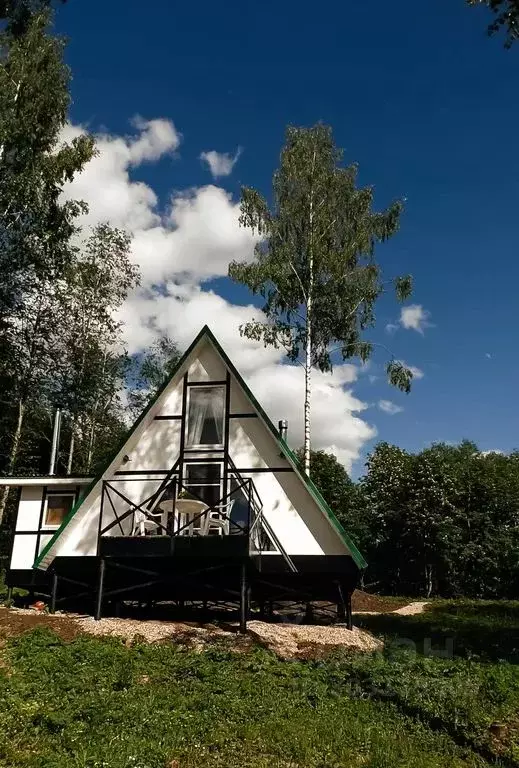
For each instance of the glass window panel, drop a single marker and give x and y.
(205, 418)
(57, 508)
(204, 482)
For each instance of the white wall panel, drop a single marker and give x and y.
(29, 509)
(24, 547)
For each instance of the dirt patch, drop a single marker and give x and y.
(290, 641)
(364, 602)
(14, 622)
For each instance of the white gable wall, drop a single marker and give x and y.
(289, 508)
(297, 520)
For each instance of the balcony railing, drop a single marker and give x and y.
(253, 525)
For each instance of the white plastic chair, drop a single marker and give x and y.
(143, 523)
(218, 519)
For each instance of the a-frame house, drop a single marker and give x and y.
(203, 501)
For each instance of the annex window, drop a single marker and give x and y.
(57, 507)
(205, 417)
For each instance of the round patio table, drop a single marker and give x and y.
(187, 517)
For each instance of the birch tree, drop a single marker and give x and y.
(315, 263)
(92, 360)
(36, 226)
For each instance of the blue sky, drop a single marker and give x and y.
(417, 95)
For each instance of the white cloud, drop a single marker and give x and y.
(220, 163)
(178, 248)
(157, 137)
(389, 407)
(414, 317)
(391, 328)
(488, 355)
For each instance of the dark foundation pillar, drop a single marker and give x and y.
(100, 589)
(309, 613)
(244, 599)
(54, 592)
(341, 605)
(349, 616)
(9, 595)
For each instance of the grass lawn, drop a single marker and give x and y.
(99, 703)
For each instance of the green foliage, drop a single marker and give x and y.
(35, 223)
(443, 521)
(506, 16)
(18, 13)
(97, 702)
(340, 493)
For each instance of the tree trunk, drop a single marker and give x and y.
(12, 455)
(428, 580)
(90, 449)
(71, 447)
(308, 374)
(308, 345)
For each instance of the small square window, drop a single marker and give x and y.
(57, 507)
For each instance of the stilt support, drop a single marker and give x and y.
(100, 588)
(54, 592)
(9, 595)
(309, 613)
(349, 616)
(341, 605)
(244, 599)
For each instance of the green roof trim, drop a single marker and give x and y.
(287, 452)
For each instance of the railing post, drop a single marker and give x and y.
(100, 528)
(54, 592)
(100, 588)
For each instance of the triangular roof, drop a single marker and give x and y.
(206, 333)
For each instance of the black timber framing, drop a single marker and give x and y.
(216, 383)
(40, 521)
(183, 428)
(183, 570)
(139, 474)
(96, 584)
(226, 437)
(40, 530)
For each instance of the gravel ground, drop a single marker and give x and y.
(286, 640)
(289, 641)
(192, 634)
(411, 609)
